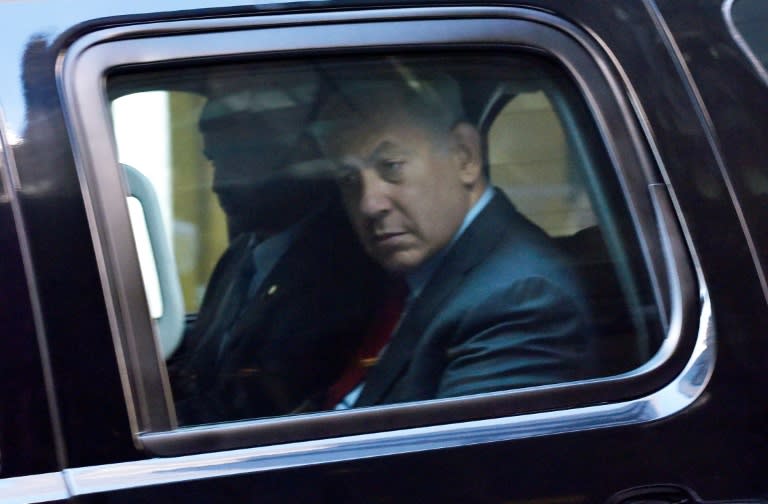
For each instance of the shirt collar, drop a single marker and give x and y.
(418, 278)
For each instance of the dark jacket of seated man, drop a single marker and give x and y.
(500, 311)
(493, 306)
(289, 341)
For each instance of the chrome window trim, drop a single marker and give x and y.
(8, 184)
(671, 399)
(35, 488)
(727, 9)
(12, 186)
(81, 79)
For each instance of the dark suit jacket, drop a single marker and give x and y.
(501, 311)
(289, 342)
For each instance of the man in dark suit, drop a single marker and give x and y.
(492, 304)
(286, 302)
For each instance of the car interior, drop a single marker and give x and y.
(543, 150)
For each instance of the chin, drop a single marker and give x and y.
(400, 264)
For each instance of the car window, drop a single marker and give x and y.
(530, 159)
(369, 231)
(748, 18)
(746, 21)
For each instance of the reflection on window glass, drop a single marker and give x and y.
(749, 18)
(156, 133)
(385, 230)
(146, 258)
(532, 166)
(747, 21)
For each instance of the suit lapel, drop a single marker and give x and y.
(285, 278)
(398, 353)
(472, 247)
(272, 289)
(224, 301)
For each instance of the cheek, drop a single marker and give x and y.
(443, 212)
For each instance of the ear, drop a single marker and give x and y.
(468, 149)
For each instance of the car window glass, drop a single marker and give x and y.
(156, 135)
(349, 233)
(532, 165)
(749, 18)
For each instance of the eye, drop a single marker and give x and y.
(390, 169)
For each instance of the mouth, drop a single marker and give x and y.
(387, 239)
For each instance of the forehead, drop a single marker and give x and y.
(378, 137)
(384, 122)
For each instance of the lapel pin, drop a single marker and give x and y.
(369, 362)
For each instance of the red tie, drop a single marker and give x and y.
(376, 337)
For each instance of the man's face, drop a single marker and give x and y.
(239, 171)
(406, 189)
(255, 184)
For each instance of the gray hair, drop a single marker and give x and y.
(365, 92)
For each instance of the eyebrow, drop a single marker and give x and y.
(387, 148)
(384, 149)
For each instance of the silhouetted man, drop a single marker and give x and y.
(285, 305)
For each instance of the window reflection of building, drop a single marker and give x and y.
(156, 133)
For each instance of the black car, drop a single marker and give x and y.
(633, 134)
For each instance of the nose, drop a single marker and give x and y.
(228, 174)
(218, 183)
(374, 197)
